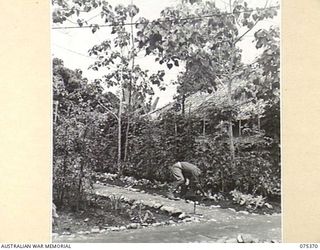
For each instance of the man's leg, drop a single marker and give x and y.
(195, 183)
(179, 180)
(184, 190)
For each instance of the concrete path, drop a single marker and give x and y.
(215, 224)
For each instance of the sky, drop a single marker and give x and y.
(72, 45)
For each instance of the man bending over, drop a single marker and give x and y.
(182, 171)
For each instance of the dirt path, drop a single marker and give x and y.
(213, 225)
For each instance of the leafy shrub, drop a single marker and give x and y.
(248, 200)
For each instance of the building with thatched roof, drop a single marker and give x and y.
(199, 105)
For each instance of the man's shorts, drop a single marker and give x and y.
(177, 174)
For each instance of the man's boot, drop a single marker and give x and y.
(184, 191)
(171, 196)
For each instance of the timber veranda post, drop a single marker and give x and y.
(175, 133)
(230, 129)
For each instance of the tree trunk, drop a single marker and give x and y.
(130, 96)
(230, 130)
(126, 141)
(56, 112)
(204, 127)
(119, 128)
(176, 135)
(64, 160)
(183, 104)
(133, 129)
(189, 121)
(232, 149)
(222, 182)
(82, 166)
(61, 198)
(119, 139)
(80, 185)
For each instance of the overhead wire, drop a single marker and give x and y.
(72, 51)
(93, 17)
(165, 20)
(64, 33)
(134, 23)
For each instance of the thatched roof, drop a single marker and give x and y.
(199, 103)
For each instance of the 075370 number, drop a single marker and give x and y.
(308, 246)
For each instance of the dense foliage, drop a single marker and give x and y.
(95, 130)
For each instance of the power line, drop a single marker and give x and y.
(166, 20)
(64, 33)
(93, 17)
(224, 2)
(78, 53)
(71, 21)
(72, 51)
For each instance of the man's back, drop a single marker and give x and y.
(188, 168)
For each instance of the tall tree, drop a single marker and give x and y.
(117, 55)
(205, 39)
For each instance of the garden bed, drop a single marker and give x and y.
(109, 214)
(222, 200)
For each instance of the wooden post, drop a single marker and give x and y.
(56, 111)
(230, 129)
(189, 121)
(175, 127)
(204, 127)
(175, 135)
(183, 104)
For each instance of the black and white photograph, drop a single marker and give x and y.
(166, 121)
